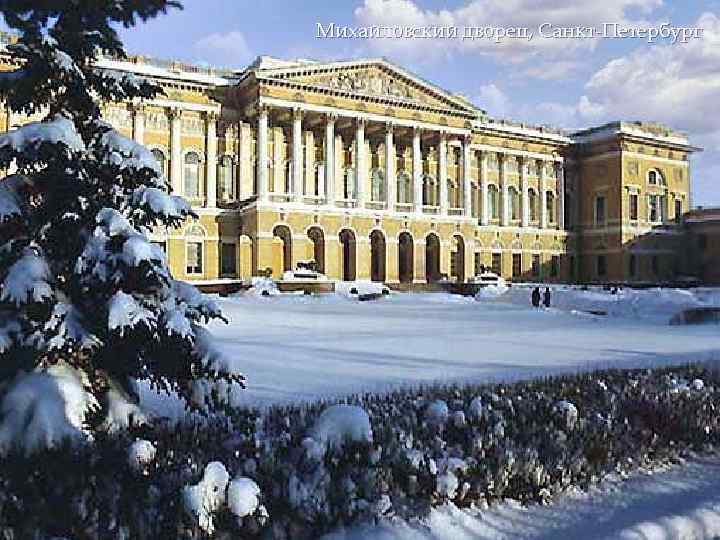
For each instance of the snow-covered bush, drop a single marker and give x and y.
(81, 286)
(140, 455)
(515, 442)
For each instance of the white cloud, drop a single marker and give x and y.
(502, 13)
(228, 49)
(493, 100)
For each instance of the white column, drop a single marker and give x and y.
(560, 175)
(360, 168)
(175, 151)
(262, 154)
(442, 173)
(138, 123)
(543, 196)
(211, 159)
(467, 181)
(525, 212)
(297, 156)
(330, 158)
(505, 207)
(484, 210)
(390, 182)
(417, 171)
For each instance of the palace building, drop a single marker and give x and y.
(378, 174)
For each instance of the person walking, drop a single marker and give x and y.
(535, 297)
(546, 297)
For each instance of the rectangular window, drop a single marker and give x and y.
(194, 255)
(678, 210)
(536, 265)
(161, 245)
(633, 207)
(656, 212)
(601, 266)
(516, 265)
(600, 210)
(228, 260)
(478, 263)
(497, 263)
(555, 266)
(702, 242)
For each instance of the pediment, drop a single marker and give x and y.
(372, 79)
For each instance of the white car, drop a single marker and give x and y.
(487, 278)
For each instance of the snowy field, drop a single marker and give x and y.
(294, 347)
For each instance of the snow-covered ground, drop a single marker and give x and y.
(293, 347)
(681, 503)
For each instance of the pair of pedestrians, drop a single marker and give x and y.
(535, 298)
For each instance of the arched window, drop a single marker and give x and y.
(550, 206)
(494, 201)
(378, 185)
(453, 193)
(655, 178)
(191, 174)
(429, 191)
(514, 203)
(533, 199)
(159, 156)
(404, 188)
(287, 176)
(349, 190)
(225, 179)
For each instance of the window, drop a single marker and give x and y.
(228, 259)
(377, 186)
(494, 201)
(536, 265)
(192, 175)
(601, 266)
(428, 190)
(194, 255)
(478, 263)
(404, 192)
(349, 184)
(655, 178)
(161, 245)
(225, 179)
(550, 206)
(702, 242)
(555, 266)
(633, 206)
(514, 204)
(656, 212)
(497, 263)
(533, 199)
(678, 210)
(516, 265)
(160, 158)
(632, 266)
(600, 210)
(453, 194)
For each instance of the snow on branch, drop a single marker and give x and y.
(59, 130)
(28, 280)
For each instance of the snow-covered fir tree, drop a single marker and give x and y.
(87, 303)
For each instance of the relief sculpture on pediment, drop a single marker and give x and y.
(369, 84)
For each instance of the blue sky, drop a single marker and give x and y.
(564, 82)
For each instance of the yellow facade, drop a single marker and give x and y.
(381, 175)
